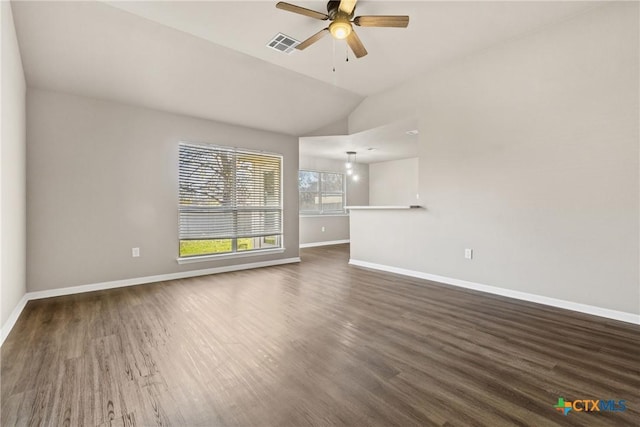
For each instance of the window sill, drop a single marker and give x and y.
(322, 215)
(361, 208)
(205, 258)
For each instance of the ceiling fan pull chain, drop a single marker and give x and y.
(333, 58)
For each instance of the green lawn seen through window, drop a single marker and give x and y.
(212, 246)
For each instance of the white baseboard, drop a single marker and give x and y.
(6, 328)
(327, 243)
(153, 279)
(13, 318)
(554, 302)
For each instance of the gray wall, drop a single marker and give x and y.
(529, 155)
(336, 226)
(103, 178)
(394, 182)
(12, 171)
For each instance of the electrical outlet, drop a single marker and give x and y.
(135, 252)
(323, 229)
(468, 253)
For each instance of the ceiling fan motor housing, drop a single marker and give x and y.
(334, 12)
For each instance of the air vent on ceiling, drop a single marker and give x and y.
(283, 43)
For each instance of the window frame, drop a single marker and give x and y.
(321, 193)
(235, 207)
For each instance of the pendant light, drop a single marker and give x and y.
(349, 165)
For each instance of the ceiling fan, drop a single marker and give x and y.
(340, 13)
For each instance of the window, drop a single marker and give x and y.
(321, 193)
(230, 200)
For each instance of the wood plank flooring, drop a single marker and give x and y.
(319, 343)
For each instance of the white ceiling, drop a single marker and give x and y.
(210, 60)
(96, 50)
(389, 142)
(438, 32)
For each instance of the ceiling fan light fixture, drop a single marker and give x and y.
(340, 29)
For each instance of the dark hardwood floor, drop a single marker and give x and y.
(319, 343)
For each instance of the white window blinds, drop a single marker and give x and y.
(228, 193)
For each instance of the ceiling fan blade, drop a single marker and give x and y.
(302, 11)
(347, 6)
(314, 38)
(382, 21)
(356, 45)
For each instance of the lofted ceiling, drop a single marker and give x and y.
(210, 60)
(93, 49)
(438, 31)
